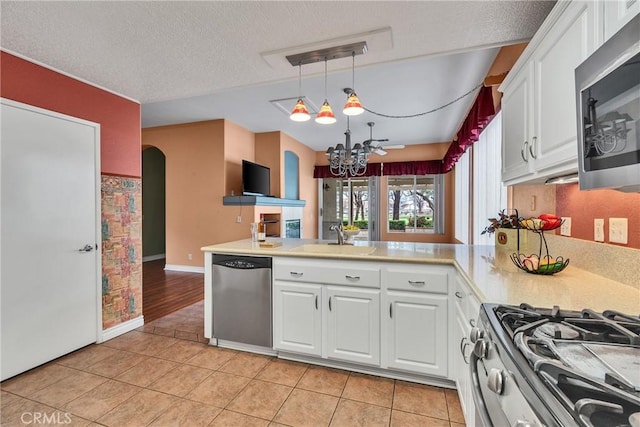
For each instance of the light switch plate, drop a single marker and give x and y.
(598, 229)
(618, 229)
(565, 228)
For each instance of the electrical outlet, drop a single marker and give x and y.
(565, 228)
(238, 219)
(618, 229)
(598, 229)
(190, 257)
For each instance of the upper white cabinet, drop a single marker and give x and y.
(539, 104)
(616, 13)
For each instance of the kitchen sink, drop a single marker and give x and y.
(333, 248)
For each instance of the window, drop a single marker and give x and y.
(416, 204)
(463, 198)
(489, 194)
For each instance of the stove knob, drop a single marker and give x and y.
(481, 349)
(476, 334)
(495, 380)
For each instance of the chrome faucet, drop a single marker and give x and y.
(339, 232)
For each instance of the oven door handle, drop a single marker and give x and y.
(477, 392)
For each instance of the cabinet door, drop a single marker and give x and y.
(353, 332)
(569, 42)
(461, 364)
(516, 119)
(417, 331)
(617, 13)
(297, 317)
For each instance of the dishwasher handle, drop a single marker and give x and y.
(241, 262)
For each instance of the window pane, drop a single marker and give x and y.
(414, 203)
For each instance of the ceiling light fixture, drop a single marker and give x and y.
(325, 116)
(300, 112)
(346, 161)
(353, 107)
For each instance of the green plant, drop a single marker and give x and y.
(503, 221)
(397, 225)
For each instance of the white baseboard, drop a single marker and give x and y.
(153, 257)
(184, 268)
(120, 329)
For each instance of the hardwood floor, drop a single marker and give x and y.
(164, 292)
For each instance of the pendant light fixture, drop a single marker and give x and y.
(300, 112)
(353, 107)
(325, 116)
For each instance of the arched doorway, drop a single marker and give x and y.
(153, 204)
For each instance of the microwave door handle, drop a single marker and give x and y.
(481, 407)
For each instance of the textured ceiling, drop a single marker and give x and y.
(187, 61)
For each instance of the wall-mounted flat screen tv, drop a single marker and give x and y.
(256, 179)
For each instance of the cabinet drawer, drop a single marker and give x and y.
(467, 304)
(421, 279)
(331, 273)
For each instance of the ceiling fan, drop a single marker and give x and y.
(374, 144)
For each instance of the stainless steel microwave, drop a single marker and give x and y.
(608, 113)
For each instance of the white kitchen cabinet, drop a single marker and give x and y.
(417, 332)
(353, 324)
(617, 13)
(517, 115)
(297, 325)
(539, 104)
(415, 318)
(467, 308)
(329, 309)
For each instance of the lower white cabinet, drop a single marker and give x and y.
(353, 324)
(297, 323)
(417, 332)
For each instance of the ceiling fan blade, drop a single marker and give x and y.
(379, 152)
(394, 147)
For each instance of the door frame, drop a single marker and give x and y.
(98, 192)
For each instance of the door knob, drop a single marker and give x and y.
(87, 248)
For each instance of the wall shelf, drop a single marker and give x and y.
(261, 201)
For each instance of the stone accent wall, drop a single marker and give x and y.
(121, 249)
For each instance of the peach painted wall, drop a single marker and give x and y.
(195, 174)
(238, 145)
(268, 153)
(406, 154)
(307, 184)
(119, 118)
(507, 56)
(584, 206)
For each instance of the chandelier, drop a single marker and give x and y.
(347, 161)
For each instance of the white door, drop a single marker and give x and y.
(49, 214)
(297, 324)
(353, 320)
(418, 332)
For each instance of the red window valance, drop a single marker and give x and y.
(423, 167)
(373, 169)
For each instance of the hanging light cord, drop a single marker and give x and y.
(299, 80)
(325, 78)
(426, 112)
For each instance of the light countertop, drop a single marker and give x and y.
(489, 272)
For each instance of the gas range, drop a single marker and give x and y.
(533, 366)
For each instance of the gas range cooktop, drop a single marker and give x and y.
(588, 361)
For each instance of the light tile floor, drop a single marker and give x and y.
(148, 378)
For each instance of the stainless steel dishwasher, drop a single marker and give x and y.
(242, 299)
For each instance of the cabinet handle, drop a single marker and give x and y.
(458, 294)
(417, 282)
(532, 149)
(296, 274)
(316, 302)
(463, 347)
(523, 150)
(329, 303)
(352, 277)
(391, 310)
(472, 322)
